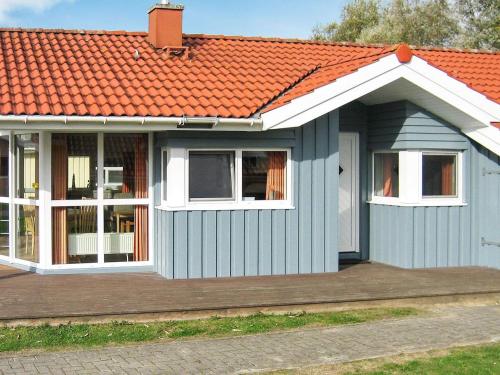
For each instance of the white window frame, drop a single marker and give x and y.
(45, 205)
(377, 198)
(101, 203)
(443, 199)
(14, 202)
(234, 174)
(177, 181)
(106, 176)
(410, 180)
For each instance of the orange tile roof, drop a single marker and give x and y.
(118, 73)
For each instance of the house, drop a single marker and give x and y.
(200, 156)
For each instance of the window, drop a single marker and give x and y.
(225, 179)
(4, 166)
(211, 175)
(4, 229)
(439, 175)
(99, 198)
(417, 178)
(74, 166)
(263, 175)
(125, 166)
(386, 174)
(26, 169)
(26, 239)
(26, 194)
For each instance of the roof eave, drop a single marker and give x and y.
(388, 69)
(115, 123)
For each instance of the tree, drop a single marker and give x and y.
(356, 17)
(418, 22)
(480, 23)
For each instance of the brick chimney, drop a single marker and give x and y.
(165, 25)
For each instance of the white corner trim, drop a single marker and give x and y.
(374, 76)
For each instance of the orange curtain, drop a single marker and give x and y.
(447, 177)
(141, 191)
(59, 188)
(276, 179)
(387, 176)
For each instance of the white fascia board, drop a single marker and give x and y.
(455, 87)
(282, 117)
(325, 99)
(369, 78)
(452, 91)
(488, 137)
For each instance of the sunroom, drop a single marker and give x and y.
(75, 200)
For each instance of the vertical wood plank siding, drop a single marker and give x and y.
(195, 244)
(426, 237)
(488, 206)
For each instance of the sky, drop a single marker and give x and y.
(276, 18)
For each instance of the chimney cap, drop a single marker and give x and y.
(165, 4)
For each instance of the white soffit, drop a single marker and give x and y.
(402, 89)
(388, 80)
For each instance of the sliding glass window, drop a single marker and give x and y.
(26, 186)
(125, 177)
(89, 171)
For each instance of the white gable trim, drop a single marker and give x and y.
(388, 69)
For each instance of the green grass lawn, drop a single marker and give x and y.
(88, 335)
(481, 360)
(471, 360)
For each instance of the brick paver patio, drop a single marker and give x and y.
(445, 327)
(24, 295)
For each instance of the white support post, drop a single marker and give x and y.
(12, 217)
(44, 195)
(100, 197)
(151, 197)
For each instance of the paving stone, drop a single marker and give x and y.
(448, 326)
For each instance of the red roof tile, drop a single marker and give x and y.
(64, 72)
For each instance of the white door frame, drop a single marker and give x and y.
(355, 181)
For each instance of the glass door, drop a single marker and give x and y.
(100, 199)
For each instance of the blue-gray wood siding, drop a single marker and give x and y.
(426, 237)
(403, 125)
(487, 205)
(195, 244)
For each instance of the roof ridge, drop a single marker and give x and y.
(381, 53)
(285, 40)
(283, 92)
(251, 38)
(454, 49)
(347, 44)
(72, 31)
(319, 68)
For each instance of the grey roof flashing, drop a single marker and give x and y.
(166, 6)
